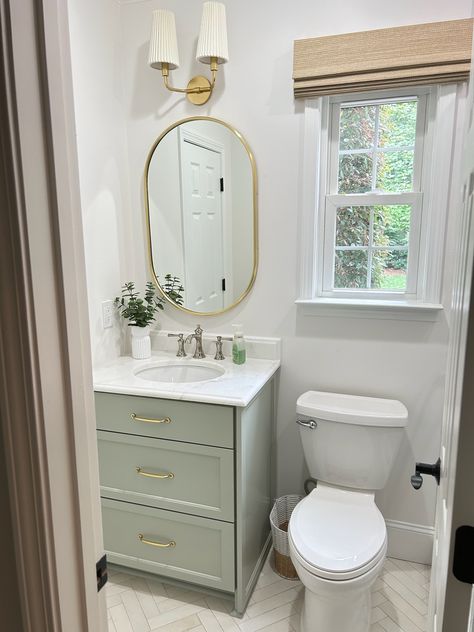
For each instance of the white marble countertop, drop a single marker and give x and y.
(237, 387)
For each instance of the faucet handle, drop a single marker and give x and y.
(219, 342)
(181, 353)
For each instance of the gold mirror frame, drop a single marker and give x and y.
(255, 214)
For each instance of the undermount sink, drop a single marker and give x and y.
(180, 371)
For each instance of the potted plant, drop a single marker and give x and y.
(140, 312)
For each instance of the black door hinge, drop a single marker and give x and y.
(222, 184)
(101, 572)
(223, 285)
(463, 558)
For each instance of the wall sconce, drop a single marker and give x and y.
(211, 49)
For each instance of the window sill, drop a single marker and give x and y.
(379, 309)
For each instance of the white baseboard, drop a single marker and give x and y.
(412, 542)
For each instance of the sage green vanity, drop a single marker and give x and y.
(186, 488)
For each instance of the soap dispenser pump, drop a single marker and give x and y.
(238, 345)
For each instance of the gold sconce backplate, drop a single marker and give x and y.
(199, 83)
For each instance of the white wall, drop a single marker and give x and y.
(103, 170)
(404, 360)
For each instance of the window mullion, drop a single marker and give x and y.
(374, 147)
(379, 150)
(342, 98)
(374, 199)
(361, 248)
(333, 172)
(369, 253)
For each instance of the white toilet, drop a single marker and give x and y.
(337, 535)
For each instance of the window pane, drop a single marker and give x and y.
(376, 154)
(350, 269)
(355, 173)
(352, 226)
(397, 124)
(389, 269)
(395, 172)
(391, 225)
(357, 127)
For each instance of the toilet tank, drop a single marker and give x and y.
(353, 441)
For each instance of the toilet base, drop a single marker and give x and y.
(336, 606)
(323, 614)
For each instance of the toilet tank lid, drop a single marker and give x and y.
(353, 409)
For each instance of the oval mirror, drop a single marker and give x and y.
(201, 204)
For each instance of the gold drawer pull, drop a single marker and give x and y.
(160, 545)
(151, 475)
(165, 420)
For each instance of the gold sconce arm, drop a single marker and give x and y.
(199, 89)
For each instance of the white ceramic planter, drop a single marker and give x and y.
(141, 343)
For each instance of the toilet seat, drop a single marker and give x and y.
(338, 534)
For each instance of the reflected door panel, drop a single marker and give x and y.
(202, 227)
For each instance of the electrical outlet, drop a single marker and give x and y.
(107, 314)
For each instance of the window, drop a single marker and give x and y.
(377, 171)
(374, 201)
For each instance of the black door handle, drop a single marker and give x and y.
(433, 469)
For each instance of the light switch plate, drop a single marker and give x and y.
(107, 314)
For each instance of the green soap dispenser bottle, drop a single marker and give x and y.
(238, 345)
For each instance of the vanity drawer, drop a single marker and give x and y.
(200, 478)
(186, 421)
(203, 552)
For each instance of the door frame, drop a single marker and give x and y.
(46, 394)
(458, 607)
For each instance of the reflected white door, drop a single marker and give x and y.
(450, 599)
(201, 170)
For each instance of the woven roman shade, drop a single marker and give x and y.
(419, 54)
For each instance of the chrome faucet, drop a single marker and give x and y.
(197, 335)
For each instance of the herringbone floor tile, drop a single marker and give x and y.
(399, 604)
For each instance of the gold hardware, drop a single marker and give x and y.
(151, 475)
(199, 89)
(165, 420)
(159, 545)
(150, 248)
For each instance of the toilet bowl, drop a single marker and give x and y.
(337, 535)
(338, 543)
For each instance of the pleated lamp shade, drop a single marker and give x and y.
(163, 41)
(213, 35)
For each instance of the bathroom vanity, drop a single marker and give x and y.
(185, 471)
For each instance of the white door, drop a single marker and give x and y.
(450, 599)
(202, 227)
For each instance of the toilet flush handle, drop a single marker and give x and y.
(307, 423)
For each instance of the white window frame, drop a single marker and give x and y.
(436, 126)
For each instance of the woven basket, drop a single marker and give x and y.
(279, 519)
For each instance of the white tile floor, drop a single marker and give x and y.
(399, 604)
